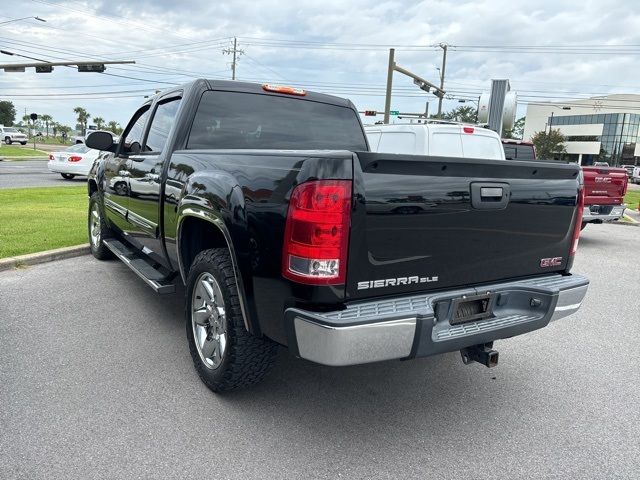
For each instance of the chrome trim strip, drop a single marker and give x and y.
(119, 209)
(142, 222)
(340, 346)
(204, 215)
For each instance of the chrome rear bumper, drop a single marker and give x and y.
(417, 326)
(592, 213)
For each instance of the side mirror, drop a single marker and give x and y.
(100, 140)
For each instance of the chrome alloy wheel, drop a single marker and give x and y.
(94, 226)
(209, 320)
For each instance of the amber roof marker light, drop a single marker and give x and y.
(284, 89)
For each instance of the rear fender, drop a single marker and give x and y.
(217, 199)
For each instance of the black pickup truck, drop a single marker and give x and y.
(266, 203)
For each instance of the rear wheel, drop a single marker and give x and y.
(98, 229)
(23, 143)
(225, 355)
(67, 176)
(584, 224)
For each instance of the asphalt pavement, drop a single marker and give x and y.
(96, 381)
(32, 173)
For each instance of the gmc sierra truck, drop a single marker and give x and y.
(604, 190)
(266, 202)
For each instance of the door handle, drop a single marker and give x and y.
(490, 195)
(124, 173)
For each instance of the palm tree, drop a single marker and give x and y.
(114, 127)
(99, 121)
(83, 118)
(46, 119)
(27, 119)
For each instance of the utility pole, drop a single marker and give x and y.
(236, 52)
(443, 46)
(387, 100)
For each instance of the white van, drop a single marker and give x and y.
(436, 139)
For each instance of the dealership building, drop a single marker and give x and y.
(598, 129)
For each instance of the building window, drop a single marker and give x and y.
(583, 138)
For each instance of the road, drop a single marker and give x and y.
(96, 382)
(32, 173)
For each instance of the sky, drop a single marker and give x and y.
(549, 50)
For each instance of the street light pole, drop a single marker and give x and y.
(23, 18)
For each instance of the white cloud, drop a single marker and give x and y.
(122, 29)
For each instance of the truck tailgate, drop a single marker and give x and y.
(604, 185)
(423, 223)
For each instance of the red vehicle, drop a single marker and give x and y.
(604, 189)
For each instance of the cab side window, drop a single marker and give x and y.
(135, 131)
(163, 119)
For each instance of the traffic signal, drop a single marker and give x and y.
(370, 113)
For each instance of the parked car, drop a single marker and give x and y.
(75, 160)
(605, 188)
(629, 169)
(436, 138)
(635, 175)
(10, 135)
(259, 199)
(518, 149)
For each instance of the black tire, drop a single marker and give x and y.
(98, 248)
(246, 358)
(584, 224)
(23, 143)
(7, 140)
(67, 176)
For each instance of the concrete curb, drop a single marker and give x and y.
(43, 257)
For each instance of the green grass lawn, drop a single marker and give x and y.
(632, 198)
(20, 151)
(38, 219)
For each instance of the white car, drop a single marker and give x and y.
(75, 160)
(436, 138)
(635, 175)
(10, 135)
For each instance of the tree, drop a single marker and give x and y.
(27, 119)
(46, 119)
(64, 131)
(114, 127)
(463, 114)
(83, 118)
(7, 113)
(99, 121)
(549, 145)
(517, 131)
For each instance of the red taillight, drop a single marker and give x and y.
(74, 158)
(50, 157)
(467, 129)
(316, 236)
(579, 213)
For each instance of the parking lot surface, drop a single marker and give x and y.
(32, 173)
(96, 382)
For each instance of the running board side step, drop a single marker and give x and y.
(136, 262)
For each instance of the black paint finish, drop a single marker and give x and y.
(412, 216)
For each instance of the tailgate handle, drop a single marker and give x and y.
(490, 195)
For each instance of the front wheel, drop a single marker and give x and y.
(67, 176)
(98, 229)
(584, 224)
(7, 140)
(225, 355)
